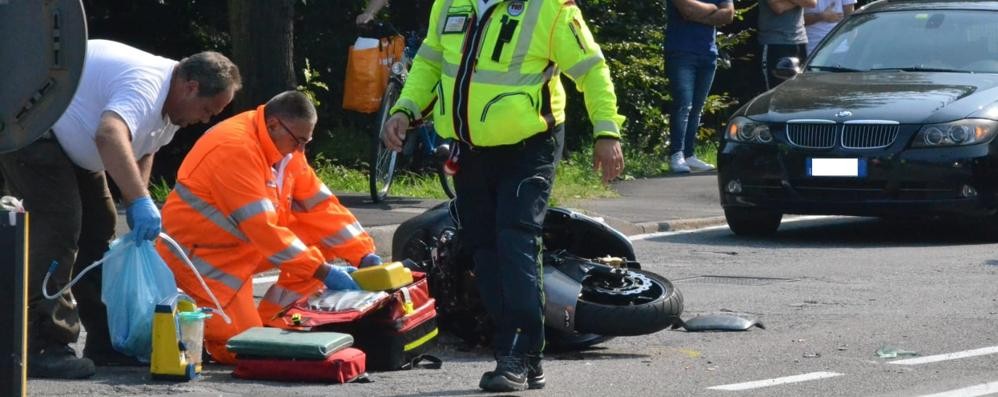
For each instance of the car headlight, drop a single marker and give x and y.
(742, 129)
(956, 133)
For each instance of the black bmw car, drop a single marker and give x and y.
(894, 115)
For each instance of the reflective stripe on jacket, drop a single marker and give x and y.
(236, 202)
(494, 73)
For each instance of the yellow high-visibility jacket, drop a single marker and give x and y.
(492, 75)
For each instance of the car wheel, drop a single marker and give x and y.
(752, 221)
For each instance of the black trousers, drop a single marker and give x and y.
(502, 197)
(71, 221)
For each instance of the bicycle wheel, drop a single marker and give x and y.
(383, 160)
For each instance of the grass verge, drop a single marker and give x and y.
(575, 179)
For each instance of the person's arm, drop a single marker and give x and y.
(848, 9)
(373, 7)
(113, 141)
(694, 10)
(319, 216)
(573, 50)
(829, 14)
(418, 92)
(145, 168)
(725, 14)
(780, 6)
(805, 3)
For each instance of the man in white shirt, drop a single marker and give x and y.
(129, 103)
(820, 19)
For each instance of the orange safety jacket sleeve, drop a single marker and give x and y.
(577, 54)
(319, 216)
(240, 190)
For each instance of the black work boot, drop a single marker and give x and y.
(510, 375)
(535, 373)
(59, 362)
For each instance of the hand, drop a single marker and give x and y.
(830, 14)
(338, 278)
(369, 260)
(608, 157)
(364, 18)
(144, 219)
(394, 133)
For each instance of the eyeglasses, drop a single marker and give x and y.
(301, 142)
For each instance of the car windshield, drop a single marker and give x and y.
(936, 41)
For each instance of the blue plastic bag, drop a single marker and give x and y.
(135, 279)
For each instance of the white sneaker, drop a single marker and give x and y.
(695, 164)
(677, 164)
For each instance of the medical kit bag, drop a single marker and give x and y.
(395, 328)
(346, 365)
(281, 343)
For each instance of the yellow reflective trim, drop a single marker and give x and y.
(430, 54)
(419, 342)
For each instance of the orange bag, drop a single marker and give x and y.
(368, 67)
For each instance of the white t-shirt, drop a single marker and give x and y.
(124, 80)
(818, 30)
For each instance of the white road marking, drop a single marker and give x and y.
(264, 280)
(972, 391)
(776, 381)
(948, 356)
(647, 236)
(406, 210)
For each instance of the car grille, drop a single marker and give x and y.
(868, 136)
(816, 136)
(822, 134)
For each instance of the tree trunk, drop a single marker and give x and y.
(262, 46)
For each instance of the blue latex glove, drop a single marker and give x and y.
(369, 260)
(339, 278)
(144, 219)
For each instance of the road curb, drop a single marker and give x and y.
(670, 225)
(382, 235)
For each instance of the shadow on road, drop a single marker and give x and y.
(596, 353)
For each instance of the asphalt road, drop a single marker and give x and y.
(830, 291)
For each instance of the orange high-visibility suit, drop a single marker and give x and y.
(239, 208)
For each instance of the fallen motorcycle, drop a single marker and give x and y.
(594, 288)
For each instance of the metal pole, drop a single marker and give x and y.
(14, 310)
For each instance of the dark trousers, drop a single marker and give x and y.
(502, 197)
(71, 221)
(771, 54)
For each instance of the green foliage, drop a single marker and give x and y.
(313, 83)
(159, 190)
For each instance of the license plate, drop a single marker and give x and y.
(836, 167)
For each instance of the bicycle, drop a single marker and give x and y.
(419, 148)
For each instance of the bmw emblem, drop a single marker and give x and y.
(515, 8)
(843, 114)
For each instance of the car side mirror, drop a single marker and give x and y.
(787, 68)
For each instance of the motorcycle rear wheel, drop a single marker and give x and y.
(642, 303)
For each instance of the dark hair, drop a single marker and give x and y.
(290, 104)
(213, 72)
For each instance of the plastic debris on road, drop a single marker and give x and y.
(893, 352)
